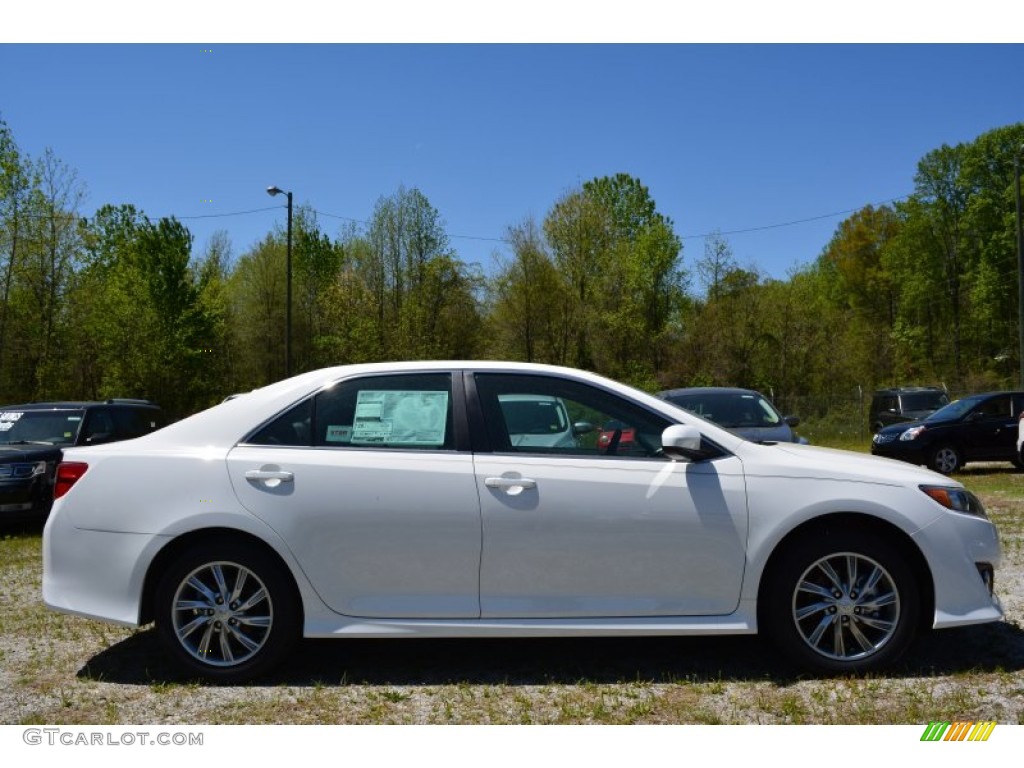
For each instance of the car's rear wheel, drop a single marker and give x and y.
(842, 602)
(227, 611)
(945, 459)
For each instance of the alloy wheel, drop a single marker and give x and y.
(846, 606)
(222, 614)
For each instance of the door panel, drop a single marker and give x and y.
(364, 484)
(603, 526)
(611, 538)
(378, 533)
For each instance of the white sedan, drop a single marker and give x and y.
(394, 500)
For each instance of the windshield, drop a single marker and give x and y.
(955, 410)
(731, 410)
(51, 427)
(924, 401)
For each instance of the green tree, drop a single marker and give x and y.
(620, 259)
(14, 190)
(527, 296)
(256, 291)
(424, 296)
(53, 249)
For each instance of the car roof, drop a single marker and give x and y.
(69, 405)
(708, 391)
(899, 390)
(228, 422)
(997, 393)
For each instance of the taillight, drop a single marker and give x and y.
(68, 473)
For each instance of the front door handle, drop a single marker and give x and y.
(272, 477)
(513, 486)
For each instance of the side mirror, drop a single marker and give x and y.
(682, 443)
(792, 421)
(582, 428)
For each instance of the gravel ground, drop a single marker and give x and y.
(57, 669)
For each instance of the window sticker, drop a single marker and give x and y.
(396, 418)
(338, 434)
(5, 425)
(10, 416)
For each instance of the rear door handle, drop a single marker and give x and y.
(513, 486)
(280, 475)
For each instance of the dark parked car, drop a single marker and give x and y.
(898, 405)
(976, 428)
(746, 412)
(33, 434)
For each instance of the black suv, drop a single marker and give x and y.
(901, 404)
(33, 435)
(976, 428)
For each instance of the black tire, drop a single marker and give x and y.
(227, 611)
(945, 458)
(841, 601)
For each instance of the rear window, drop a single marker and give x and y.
(924, 401)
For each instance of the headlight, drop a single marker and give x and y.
(22, 470)
(913, 432)
(956, 499)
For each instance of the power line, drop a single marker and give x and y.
(509, 242)
(792, 223)
(223, 215)
(454, 237)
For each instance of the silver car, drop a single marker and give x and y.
(744, 411)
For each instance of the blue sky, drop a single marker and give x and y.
(727, 137)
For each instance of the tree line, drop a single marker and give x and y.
(116, 304)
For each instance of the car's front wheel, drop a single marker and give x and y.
(842, 602)
(945, 459)
(227, 611)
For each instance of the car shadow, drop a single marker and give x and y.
(139, 660)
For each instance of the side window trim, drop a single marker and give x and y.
(460, 419)
(483, 440)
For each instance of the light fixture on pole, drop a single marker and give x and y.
(288, 302)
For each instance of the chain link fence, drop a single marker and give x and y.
(835, 419)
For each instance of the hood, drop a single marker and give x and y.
(30, 452)
(779, 434)
(899, 429)
(809, 461)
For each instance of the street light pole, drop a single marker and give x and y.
(1020, 263)
(288, 303)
